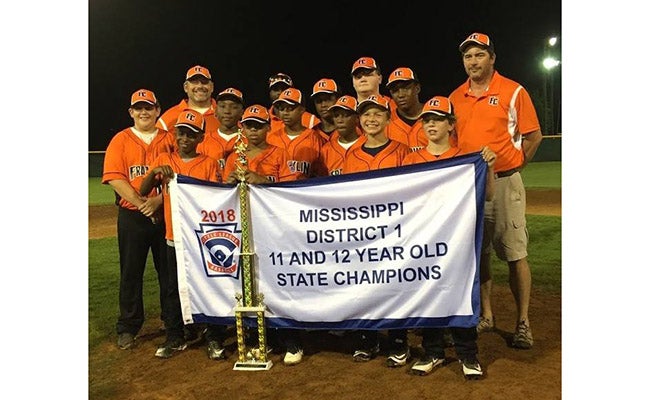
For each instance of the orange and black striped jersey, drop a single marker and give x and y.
(303, 152)
(423, 155)
(129, 158)
(271, 163)
(333, 154)
(357, 160)
(201, 167)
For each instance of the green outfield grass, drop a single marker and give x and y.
(543, 175)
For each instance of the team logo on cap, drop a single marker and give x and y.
(220, 249)
(434, 103)
(254, 110)
(190, 117)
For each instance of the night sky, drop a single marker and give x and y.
(151, 44)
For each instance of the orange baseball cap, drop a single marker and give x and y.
(292, 96)
(438, 105)
(143, 95)
(401, 74)
(381, 101)
(191, 119)
(257, 113)
(345, 102)
(364, 62)
(198, 70)
(477, 38)
(325, 85)
(232, 94)
(280, 78)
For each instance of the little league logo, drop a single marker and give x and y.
(219, 249)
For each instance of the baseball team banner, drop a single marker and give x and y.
(393, 248)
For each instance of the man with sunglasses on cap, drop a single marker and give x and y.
(497, 112)
(278, 83)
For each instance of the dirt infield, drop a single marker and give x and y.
(327, 370)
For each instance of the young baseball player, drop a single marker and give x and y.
(186, 161)
(347, 133)
(438, 122)
(405, 125)
(218, 144)
(376, 151)
(264, 162)
(324, 95)
(127, 160)
(302, 144)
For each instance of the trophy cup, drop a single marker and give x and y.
(248, 302)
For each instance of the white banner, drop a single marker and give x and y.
(394, 248)
(207, 238)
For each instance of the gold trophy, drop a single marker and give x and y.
(248, 303)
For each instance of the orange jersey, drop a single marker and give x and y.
(271, 163)
(423, 155)
(217, 147)
(308, 119)
(497, 119)
(201, 167)
(412, 136)
(357, 160)
(128, 157)
(326, 136)
(303, 152)
(168, 119)
(333, 154)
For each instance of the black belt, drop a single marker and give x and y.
(509, 172)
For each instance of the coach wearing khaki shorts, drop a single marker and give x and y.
(497, 112)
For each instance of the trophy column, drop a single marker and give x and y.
(248, 302)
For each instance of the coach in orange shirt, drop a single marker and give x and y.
(497, 112)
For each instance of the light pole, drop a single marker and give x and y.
(549, 63)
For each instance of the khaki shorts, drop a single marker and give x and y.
(505, 220)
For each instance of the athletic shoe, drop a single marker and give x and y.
(425, 365)
(293, 356)
(167, 349)
(215, 351)
(485, 325)
(398, 358)
(363, 355)
(194, 333)
(523, 337)
(125, 340)
(472, 369)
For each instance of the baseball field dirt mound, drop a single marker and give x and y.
(327, 371)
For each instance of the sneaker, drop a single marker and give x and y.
(472, 369)
(215, 351)
(363, 355)
(125, 340)
(293, 356)
(523, 337)
(167, 349)
(398, 358)
(194, 333)
(485, 325)
(425, 365)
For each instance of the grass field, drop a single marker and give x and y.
(536, 175)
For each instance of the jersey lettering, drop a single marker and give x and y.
(137, 170)
(493, 100)
(298, 166)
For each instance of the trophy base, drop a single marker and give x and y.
(253, 365)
